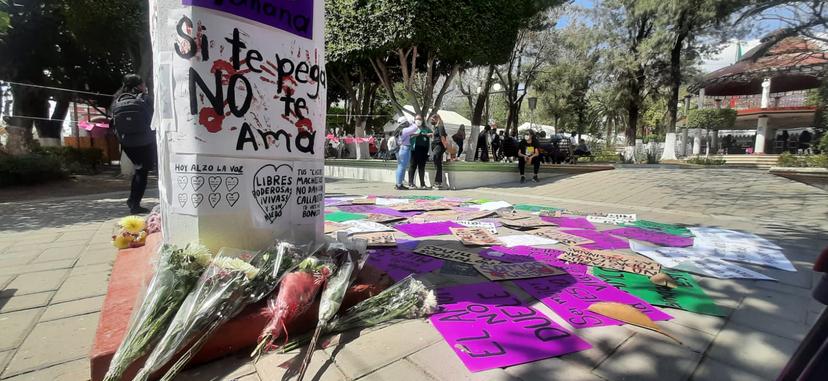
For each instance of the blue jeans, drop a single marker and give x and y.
(403, 157)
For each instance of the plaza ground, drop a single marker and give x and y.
(55, 259)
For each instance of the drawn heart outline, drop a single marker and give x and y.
(214, 182)
(269, 192)
(197, 182)
(214, 199)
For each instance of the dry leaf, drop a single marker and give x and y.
(663, 279)
(628, 314)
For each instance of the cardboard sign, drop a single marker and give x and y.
(427, 229)
(612, 218)
(362, 226)
(436, 216)
(570, 296)
(562, 237)
(400, 262)
(420, 206)
(526, 223)
(468, 216)
(378, 239)
(383, 218)
(518, 270)
(487, 328)
(331, 227)
(461, 269)
(655, 237)
(611, 261)
(364, 201)
(475, 236)
(512, 215)
(687, 296)
(528, 253)
(489, 226)
(453, 255)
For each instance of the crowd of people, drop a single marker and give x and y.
(411, 144)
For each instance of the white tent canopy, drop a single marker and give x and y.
(537, 127)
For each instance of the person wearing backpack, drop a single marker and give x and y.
(131, 114)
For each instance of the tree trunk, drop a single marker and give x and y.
(633, 109)
(669, 152)
(31, 103)
(51, 129)
(480, 104)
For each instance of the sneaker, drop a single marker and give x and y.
(439, 187)
(412, 186)
(400, 187)
(139, 210)
(535, 179)
(522, 179)
(423, 187)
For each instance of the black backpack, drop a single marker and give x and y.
(129, 115)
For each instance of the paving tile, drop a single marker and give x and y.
(58, 253)
(17, 260)
(38, 282)
(91, 269)
(780, 305)
(37, 267)
(771, 323)
(82, 286)
(97, 257)
(604, 340)
(642, 358)
(76, 234)
(74, 335)
(72, 308)
(441, 363)
(379, 348)
(24, 302)
(705, 323)
(553, 369)
(278, 366)
(226, 369)
(401, 370)
(746, 348)
(5, 357)
(4, 279)
(696, 341)
(77, 370)
(710, 369)
(14, 326)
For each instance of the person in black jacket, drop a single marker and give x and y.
(528, 153)
(419, 152)
(131, 113)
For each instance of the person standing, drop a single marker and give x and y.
(419, 152)
(482, 149)
(459, 137)
(131, 113)
(528, 153)
(439, 145)
(403, 140)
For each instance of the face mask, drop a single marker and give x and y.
(418, 123)
(527, 137)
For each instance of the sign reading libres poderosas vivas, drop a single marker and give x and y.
(239, 111)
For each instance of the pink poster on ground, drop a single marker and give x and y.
(570, 296)
(600, 240)
(400, 262)
(427, 229)
(655, 237)
(570, 222)
(528, 253)
(488, 328)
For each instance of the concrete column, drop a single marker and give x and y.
(761, 134)
(714, 141)
(684, 142)
(701, 98)
(697, 141)
(766, 84)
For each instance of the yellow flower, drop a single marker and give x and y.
(141, 238)
(122, 241)
(132, 224)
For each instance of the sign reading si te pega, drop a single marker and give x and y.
(487, 327)
(517, 270)
(453, 255)
(611, 261)
(294, 16)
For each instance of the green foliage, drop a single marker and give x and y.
(810, 161)
(29, 169)
(711, 118)
(72, 159)
(705, 161)
(604, 155)
(823, 143)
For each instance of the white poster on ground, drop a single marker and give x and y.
(741, 247)
(525, 240)
(695, 260)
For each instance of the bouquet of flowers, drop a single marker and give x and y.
(130, 232)
(175, 276)
(410, 298)
(228, 284)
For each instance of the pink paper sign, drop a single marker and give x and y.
(376, 210)
(399, 262)
(571, 295)
(488, 328)
(655, 237)
(600, 240)
(528, 253)
(427, 229)
(570, 222)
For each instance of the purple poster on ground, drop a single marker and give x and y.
(601, 240)
(570, 222)
(489, 328)
(655, 237)
(571, 295)
(427, 229)
(400, 262)
(528, 253)
(377, 210)
(293, 16)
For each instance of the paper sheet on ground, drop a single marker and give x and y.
(378, 239)
(490, 226)
(696, 260)
(474, 215)
(383, 218)
(526, 223)
(571, 295)
(517, 270)
(525, 240)
(475, 236)
(489, 328)
(562, 237)
(655, 237)
(452, 254)
(688, 296)
(610, 260)
(493, 205)
(386, 201)
(331, 226)
(612, 218)
(741, 247)
(363, 226)
(338, 216)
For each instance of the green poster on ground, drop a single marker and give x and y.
(480, 201)
(687, 296)
(534, 208)
(662, 227)
(417, 197)
(340, 216)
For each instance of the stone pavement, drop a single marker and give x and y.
(55, 258)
